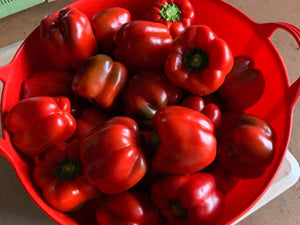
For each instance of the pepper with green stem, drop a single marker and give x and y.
(198, 60)
(175, 14)
(59, 176)
(188, 199)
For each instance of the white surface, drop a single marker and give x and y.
(16, 207)
(286, 177)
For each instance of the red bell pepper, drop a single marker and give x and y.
(184, 140)
(37, 123)
(100, 79)
(91, 117)
(175, 14)
(61, 180)
(48, 83)
(198, 60)
(210, 110)
(248, 147)
(106, 23)
(111, 156)
(146, 92)
(68, 39)
(188, 199)
(127, 208)
(244, 85)
(142, 45)
(53, 83)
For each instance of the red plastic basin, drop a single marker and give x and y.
(244, 36)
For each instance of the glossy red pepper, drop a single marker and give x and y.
(188, 199)
(90, 118)
(184, 140)
(175, 14)
(100, 79)
(146, 92)
(127, 208)
(48, 83)
(53, 83)
(106, 23)
(198, 61)
(142, 45)
(68, 39)
(244, 85)
(60, 178)
(111, 156)
(248, 147)
(210, 110)
(37, 123)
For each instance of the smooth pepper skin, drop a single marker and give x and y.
(185, 141)
(188, 199)
(37, 123)
(198, 61)
(90, 118)
(146, 92)
(211, 110)
(111, 156)
(53, 83)
(100, 79)
(175, 14)
(68, 39)
(244, 85)
(61, 180)
(248, 147)
(142, 45)
(106, 23)
(48, 83)
(127, 208)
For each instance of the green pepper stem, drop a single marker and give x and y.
(177, 209)
(170, 12)
(68, 169)
(196, 60)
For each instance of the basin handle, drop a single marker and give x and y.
(292, 94)
(5, 144)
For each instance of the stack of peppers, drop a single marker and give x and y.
(140, 122)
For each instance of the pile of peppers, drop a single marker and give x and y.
(140, 121)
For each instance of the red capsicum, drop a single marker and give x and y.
(198, 61)
(61, 180)
(244, 85)
(106, 23)
(68, 39)
(175, 14)
(127, 208)
(100, 79)
(184, 141)
(146, 92)
(248, 147)
(142, 45)
(48, 83)
(37, 123)
(211, 110)
(188, 199)
(53, 83)
(90, 118)
(111, 156)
